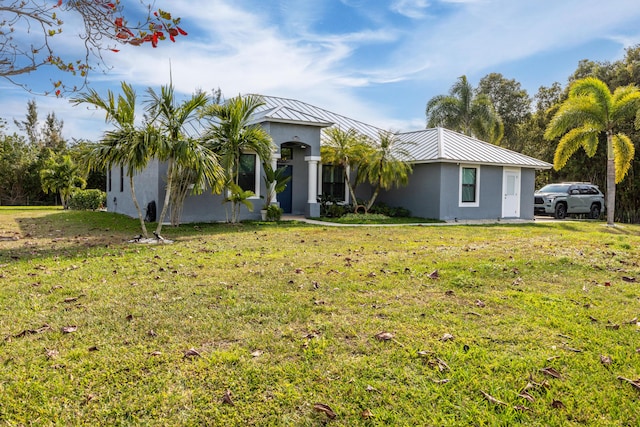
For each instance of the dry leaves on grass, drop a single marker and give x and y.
(635, 384)
(69, 329)
(492, 399)
(447, 337)
(191, 353)
(387, 336)
(367, 414)
(605, 360)
(325, 409)
(226, 398)
(25, 332)
(551, 372)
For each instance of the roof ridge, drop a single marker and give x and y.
(331, 113)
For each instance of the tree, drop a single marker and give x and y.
(125, 145)
(385, 165)
(28, 29)
(30, 124)
(275, 182)
(61, 176)
(462, 111)
(346, 149)
(16, 158)
(511, 102)
(191, 164)
(232, 133)
(590, 111)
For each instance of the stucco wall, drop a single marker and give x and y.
(433, 192)
(528, 187)
(421, 196)
(147, 187)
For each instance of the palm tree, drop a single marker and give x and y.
(61, 177)
(589, 111)
(346, 149)
(125, 145)
(185, 156)
(232, 134)
(462, 111)
(386, 165)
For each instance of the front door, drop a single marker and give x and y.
(286, 197)
(511, 193)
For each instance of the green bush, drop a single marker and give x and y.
(394, 212)
(87, 200)
(274, 213)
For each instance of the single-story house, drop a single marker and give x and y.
(455, 177)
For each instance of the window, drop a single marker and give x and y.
(121, 179)
(469, 186)
(333, 182)
(247, 172)
(109, 180)
(286, 154)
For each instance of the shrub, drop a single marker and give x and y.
(274, 213)
(331, 207)
(87, 200)
(394, 212)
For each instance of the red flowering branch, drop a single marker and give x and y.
(106, 26)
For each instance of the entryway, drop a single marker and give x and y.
(511, 193)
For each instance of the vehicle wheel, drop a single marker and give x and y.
(594, 213)
(561, 211)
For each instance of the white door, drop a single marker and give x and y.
(511, 193)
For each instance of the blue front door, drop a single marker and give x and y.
(286, 197)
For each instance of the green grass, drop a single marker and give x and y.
(376, 219)
(284, 316)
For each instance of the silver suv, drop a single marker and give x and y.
(569, 198)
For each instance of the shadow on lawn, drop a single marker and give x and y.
(72, 233)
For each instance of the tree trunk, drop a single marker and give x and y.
(611, 181)
(167, 196)
(135, 203)
(352, 192)
(372, 199)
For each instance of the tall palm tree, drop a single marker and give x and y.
(463, 111)
(184, 154)
(61, 177)
(589, 111)
(345, 148)
(386, 165)
(232, 133)
(125, 145)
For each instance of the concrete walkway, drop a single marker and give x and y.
(421, 224)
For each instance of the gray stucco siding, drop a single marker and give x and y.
(489, 195)
(421, 196)
(284, 132)
(147, 184)
(527, 188)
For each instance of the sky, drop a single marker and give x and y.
(378, 61)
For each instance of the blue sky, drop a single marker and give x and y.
(378, 61)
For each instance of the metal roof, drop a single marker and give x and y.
(284, 114)
(444, 145)
(272, 102)
(424, 146)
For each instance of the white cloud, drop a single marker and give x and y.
(415, 9)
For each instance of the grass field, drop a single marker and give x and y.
(300, 325)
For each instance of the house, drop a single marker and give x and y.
(455, 177)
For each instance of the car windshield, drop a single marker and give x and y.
(555, 188)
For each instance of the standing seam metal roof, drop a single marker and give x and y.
(424, 146)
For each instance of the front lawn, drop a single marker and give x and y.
(295, 324)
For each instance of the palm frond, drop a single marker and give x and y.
(585, 137)
(624, 151)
